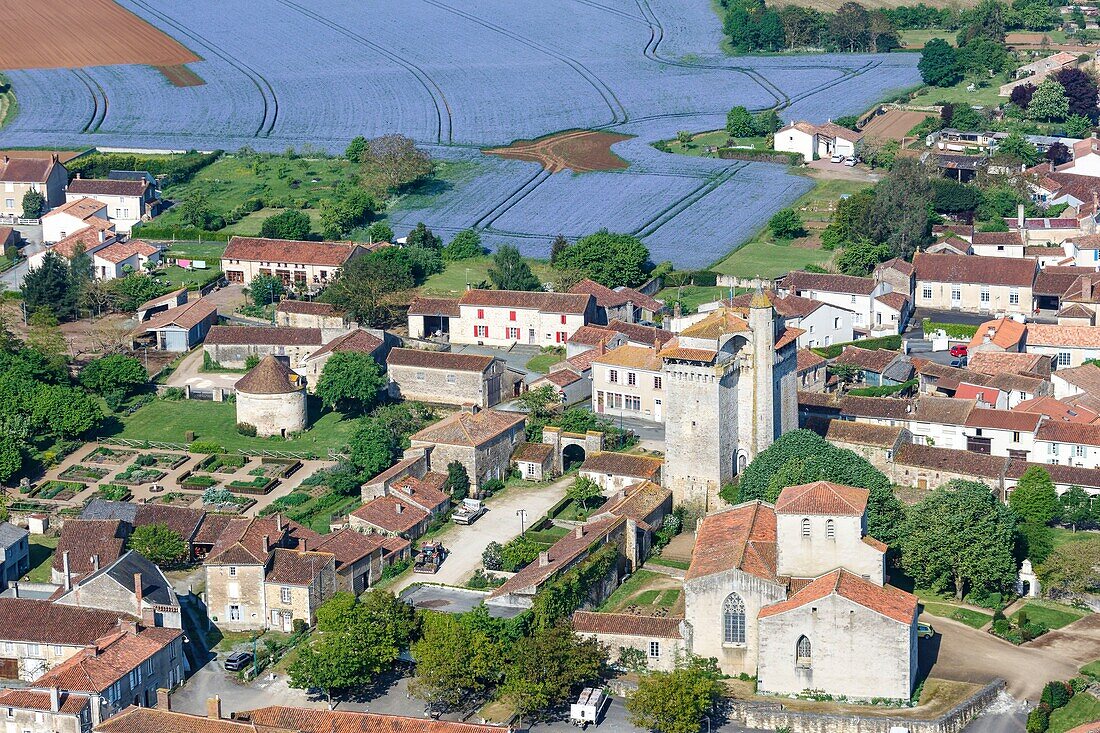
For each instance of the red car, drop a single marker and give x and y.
(958, 351)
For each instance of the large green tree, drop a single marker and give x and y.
(351, 381)
(939, 63)
(740, 122)
(343, 214)
(510, 271)
(861, 257)
(458, 481)
(391, 162)
(465, 245)
(546, 667)
(457, 659)
(901, 213)
(371, 447)
(677, 701)
(159, 543)
(34, 204)
(372, 288)
(609, 259)
(802, 457)
(584, 491)
(114, 373)
(266, 290)
(962, 538)
(289, 224)
(1034, 499)
(1072, 568)
(1049, 102)
(50, 286)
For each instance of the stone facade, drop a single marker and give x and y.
(235, 596)
(448, 384)
(704, 600)
(59, 717)
(272, 399)
(289, 602)
(812, 545)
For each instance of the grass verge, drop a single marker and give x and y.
(974, 619)
(1050, 614)
(452, 281)
(1083, 708)
(41, 552)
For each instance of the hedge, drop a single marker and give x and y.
(884, 391)
(893, 343)
(953, 330)
(765, 156)
(151, 231)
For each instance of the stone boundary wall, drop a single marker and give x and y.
(773, 716)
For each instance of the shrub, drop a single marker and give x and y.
(491, 557)
(173, 394)
(394, 569)
(1056, 694)
(491, 486)
(206, 446)
(145, 460)
(1038, 720)
(246, 429)
(481, 580)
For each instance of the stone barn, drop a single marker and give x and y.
(272, 398)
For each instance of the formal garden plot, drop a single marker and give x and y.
(114, 492)
(222, 463)
(175, 498)
(258, 485)
(90, 474)
(197, 481)
(58, 490)
(136, 475)
(105, 455)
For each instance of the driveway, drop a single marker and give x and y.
(12, 278)
(452, 600)
(515, 356)
(189, 372)
(961, 653)
(1079, 642)
(500, 524)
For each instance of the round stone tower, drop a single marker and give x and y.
(272, 398)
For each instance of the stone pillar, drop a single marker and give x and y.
(552, 436)
(1027, 577)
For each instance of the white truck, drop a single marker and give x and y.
(589, 707)
(468, 511)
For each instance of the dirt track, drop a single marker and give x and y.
(57, 34)
(580, 151)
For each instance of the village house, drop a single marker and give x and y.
(181, 328)
(997, 244)
(855, 294)
(37, 635)
(230, 346)
(391, 516)
(358, 558)
(161, 303)
(629, 381)
(72, 216)
(1069, 346)
(998, 336)
(387, 502)
(184, 521)
(131, 586)
(663, 641)
(593, 338)
(1067, 444)
(812, 371)
(310, 314)
(41, 710)
(615, 471)
(646, 504)
(876, 443)
(507, 317)
(818, 141)
(1071, 381)
(445, 378)
(482, 441)
(824, 324)
(18, 176)
(571, 379)
(371, 342)
(127, 201)
(876, 367)
(622, 304)
(1035, 72)
(84, 546)
(1001, 432)
(305, 266)
(974, 284)
(942, 380)
(15, 557)
(534, 461)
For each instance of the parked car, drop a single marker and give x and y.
(837, 158)
(959, 363)
(925, 631)
(850, 162)
(959, 350)
(468, 511)
(237, 661)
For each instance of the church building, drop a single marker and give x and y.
(731, 390)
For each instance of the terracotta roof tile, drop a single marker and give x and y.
(894, 300)
(639, 334)
(294, 567)
(1057, 410)
(809, 360)
(533, 452)
(1043, 334)
(1024, 422)
(308, 308)
(186, 316)
(313, 720)
(474, 430)
(93, 670)
(421, 493)
(991, 363)
(950, 460)
(860, 433)
(559, 378)
(1061, 432)
(422, 306)
(108, 187)
(999, 238)
(1086, 478)
(26, 699)
(640, 299)
(632, 357)
(740, 538)
(85, 538)
(270, 376)
(889, 408)
(605, 296)
(976, 270)
(349, 546)
(822, 497)
(358, 341)
(872, 360)
(943, 410)
(799, 281)
(263, 336)
(572, 303)
(82, 208)
(591, 335)
(623, 464)
(258, 249)
(119, 251)
(627, 624)
(87, 238)
(30, 620)
(888, 601)
(897, 263)
(1003, 332)
(1054, 280)
(439, 360)
(1085, 377)
(561, 555)
(391, 514)
(26, 170)
(157, 720)
(719, 323)
(637, 502)
(788, 337)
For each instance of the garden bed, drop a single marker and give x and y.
(238, 505)
(258, 485)
(58, 490)
(196, 481)
(136, 475)
(114, 492)
(279, 467)
(165, 461)
(109, 456)
(175, 498)
(222, 463)
(90, 474)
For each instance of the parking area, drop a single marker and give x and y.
(452, 600)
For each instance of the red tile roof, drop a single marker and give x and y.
(270, 376)
(1003, 332)
(185, 316)
(1057, 410)
(242, 540)
(605, 296)
(623, 464)
(82, 208)
(84, 539)
(532, 452)
(422, 306)
(571, 303)
(949, 460)
(822, 497)
(992, 362)
(291, 252)
(158, 720)
(1061, 432)
(349, 546)
(421, 493)
(295, 567)
(894, 300)
(627, 624)
(391, 514)
(981, 417)
(888, 601)
(561, 555)
(263, 336)
(358, 341)
(119, 251)
(27, 699)
(308, 308)
(640, 334)
(30, 620)
(591, 335)
(809, 360)
(26, 170)
(471, 430)
(741, 538)
(439, 360)
(828, 283)
(1001, 238)
(314, 720)
(872, 360)
(108, 186)
(1043, 334)
(975, 270)
(93, 670)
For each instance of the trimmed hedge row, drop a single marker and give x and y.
(763, 156)
(883, 391)
(953, 330)
(893, 343)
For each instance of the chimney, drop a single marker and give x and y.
(578, 531)
(267, 544)
(279, 522)
(14, 589)
(1050, 166)
(138, 595)
(214, 708)
(65, 570)
(164, 698)
(1095, 203)
(95, 705)
(1020, 217)
(304, 544)
(55, 699)
(544, 559)
(102, 236)
(95, 563)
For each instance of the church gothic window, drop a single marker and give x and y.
(830, 529)
(802, 652)
(733, 619)
(805, 527)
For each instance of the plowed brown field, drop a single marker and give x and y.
(59, 34)
(893, 124)
(580, 151)
(181, 76)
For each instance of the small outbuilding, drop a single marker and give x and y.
(272, 398)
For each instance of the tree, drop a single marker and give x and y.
(351, 381)
(584, 491)
(1034, 499)
(45, 337)
(34, 204)
(543, 669)
(1049, 101)
(985, 21)
(195, 211)
(952, 197)
(159, 543)
(1078, 126)
(354, 151)
(785, 224)
(458, 481)
(1022, 94)
(127, 293)
(984, 56)
(289, 224)
(457, 658)
(371, 288)
(559, 245)
(849, 27)
(540, 402)
(883, 36)
(1034, 541)
(851, 219)
(341, 215)
(380, 231)
(860, 258)
(66, 412)
(510, 271)
(684, 137)
(675, 702)
(767, 122)
(1075, 508)
(900, 213)
(609, 259)
(1081, 91)
(423, 237)
(802, 457)
(50, 286)
(11, 460)
(391, 162)
(466, 244)
(1071, 568)
(802, 27)
(939, 64)
(266, 289)
(371, 447)
(739, 122)
(1058, 153)
(114, 373)
(960, 537)
(518, 553)
(845, 373)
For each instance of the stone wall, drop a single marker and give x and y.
(273, 414)
(444, 386)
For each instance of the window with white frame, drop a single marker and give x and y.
(926, 292)
(632, 378)
(654, 649)
(633, 402)
(1079, 451)
(956, 293)
(1013, 296)
(1064, 358)
(657, 383)
(805, 527)
(984, 294)
(613, 376)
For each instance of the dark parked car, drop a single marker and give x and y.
(238, 661)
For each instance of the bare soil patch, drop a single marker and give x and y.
(55, 34)
(580, 151)
(181, 75)
(894, 124)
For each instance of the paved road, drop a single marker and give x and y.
(12, 279)
(1005, 715)
(500, 524)
(453, 600)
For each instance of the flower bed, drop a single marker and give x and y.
(223, 463)
(110, 456)
(90, 474)
(135, 475)
(114, 492)
(238, 505)
(258, 485)
(197, 481)
(175, 498)
(58, 490)
(166, 461)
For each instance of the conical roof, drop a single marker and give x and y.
(270, 376)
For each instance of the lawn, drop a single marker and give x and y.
(178, 277)
(41, 551)
(986, 95)
(1050, 614)
(454, 278)
(975, 619)
(1062, 536)
(669, 562)
(209, 251)
(251, 224)
(714, 139)
(1083, 708)
(693, 296)
(168, 421)
(542, 362)
(1092, 669)
(647, 589)
(916, 38)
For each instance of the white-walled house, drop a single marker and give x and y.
(629, 382)
(71, 217)
(508, 317)
(818, 141)
(1067, 444)
(127, 201)
(823, 324)
(975, 284)
(997, 244)
(1069, 346)
(1085, 250)
(856, 294)
(1001, 432)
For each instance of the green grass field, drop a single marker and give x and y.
(692, 296)
(668, 562)
(168, 421)
(1052, 615)
(545, 360)
(985, 96)
(634, 585)
(1092, 669)
(209, 251)
(1063, 536)
(916, 38)
(713, 139)
(452, 281)
(1083, 708)
(971, 618)
(251, 224)
(41, 551)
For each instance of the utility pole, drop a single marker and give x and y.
(522, 514)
